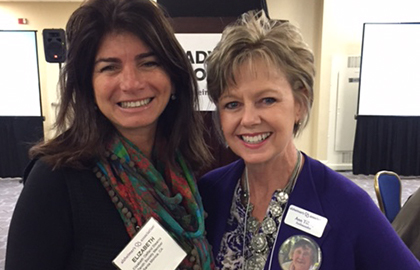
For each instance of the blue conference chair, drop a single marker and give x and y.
(388, 191)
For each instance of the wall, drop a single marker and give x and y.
(342, 31)
(330, 27)
(40, 15)
(307, 15)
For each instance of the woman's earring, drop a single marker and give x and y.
(173, 97)
(297, 125)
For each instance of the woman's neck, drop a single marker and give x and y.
(264, 179)
(272, 175)
(144, 142)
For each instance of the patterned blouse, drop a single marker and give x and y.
(232, 249)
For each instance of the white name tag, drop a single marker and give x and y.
(151, 248)
(306, 221)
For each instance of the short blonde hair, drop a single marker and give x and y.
(255, 37)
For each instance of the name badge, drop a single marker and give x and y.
(306, 221)
(151, 248)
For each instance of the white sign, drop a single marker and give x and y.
(151, 248)
(197, 47)
(306, 221)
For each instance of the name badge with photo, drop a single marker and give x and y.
(151, 248)
(306, 221)
(300, 252)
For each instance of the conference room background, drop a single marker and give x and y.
(331, 29)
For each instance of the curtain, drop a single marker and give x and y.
(17, 135)
(387, 143)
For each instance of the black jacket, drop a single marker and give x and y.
(64, 219)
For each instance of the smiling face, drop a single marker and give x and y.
(257, 115)
(130, 86)
(302, 258)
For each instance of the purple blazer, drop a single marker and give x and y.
(357, 235)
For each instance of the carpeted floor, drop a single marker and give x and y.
(9, 192)
(11, 188)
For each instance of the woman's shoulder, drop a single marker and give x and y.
(328, 180)
(39, 169)
(222, 174)
(335, 191)
(41, 172)
(344, 203)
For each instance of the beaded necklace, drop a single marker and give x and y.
(140, 190)
(262, 234)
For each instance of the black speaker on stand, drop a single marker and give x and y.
(54, 45)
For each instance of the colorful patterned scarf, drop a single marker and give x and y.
(141, 190)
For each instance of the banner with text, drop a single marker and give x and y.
(197, 47)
